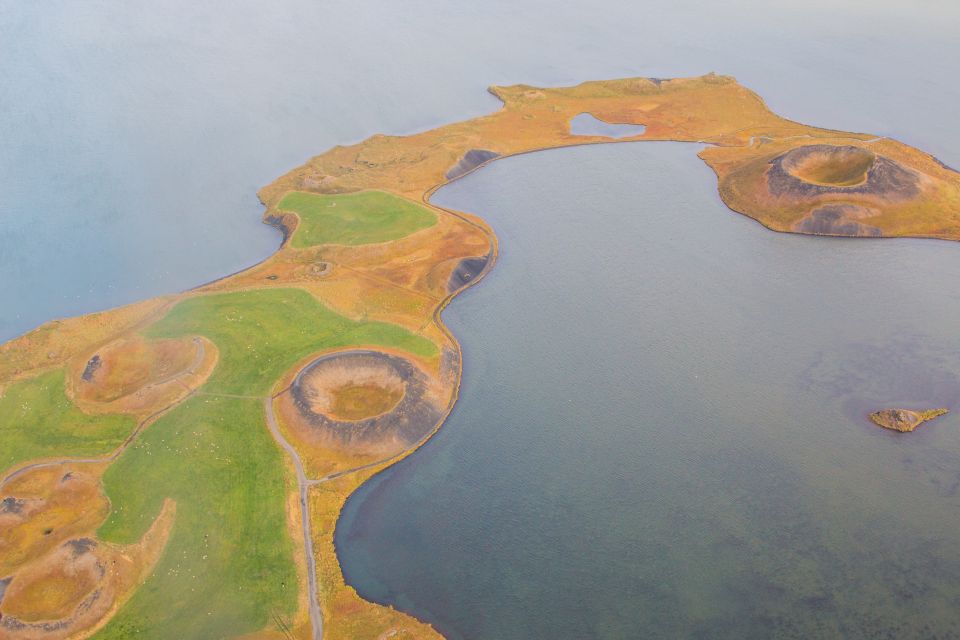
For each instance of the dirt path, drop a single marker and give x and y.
(316, 617)
(197, 362)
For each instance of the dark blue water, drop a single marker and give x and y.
(662, 430)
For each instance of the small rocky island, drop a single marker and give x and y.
(904, 420)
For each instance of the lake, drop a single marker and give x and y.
(661, 430)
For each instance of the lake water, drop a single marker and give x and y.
(671, 440)
(585, 124)
(136, 133)
(662, 429)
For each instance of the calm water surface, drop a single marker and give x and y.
(135, 133)
(662, 431)
(584, 124)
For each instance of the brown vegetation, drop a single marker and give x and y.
(62, 581)
(788, 176)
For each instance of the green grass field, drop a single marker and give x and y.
(355, 218)
(262, 333)
(38, 420)
(228, 568)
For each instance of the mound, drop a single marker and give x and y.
(135, 375)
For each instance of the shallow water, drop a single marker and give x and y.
(586, 124)
(662, 430)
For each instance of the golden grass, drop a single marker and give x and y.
(54, 582)
(404, 281)
(359, 401)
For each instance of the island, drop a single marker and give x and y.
(904, 420)
(176, 467)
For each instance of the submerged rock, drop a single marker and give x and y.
(904, 420)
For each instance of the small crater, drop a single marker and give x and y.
(844, 166)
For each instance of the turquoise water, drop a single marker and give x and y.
(662, 429)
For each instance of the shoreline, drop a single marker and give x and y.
(415, 167)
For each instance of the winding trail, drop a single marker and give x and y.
(303, 483)
(192, 369)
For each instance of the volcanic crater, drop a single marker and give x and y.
(823, 169)
(364, 399)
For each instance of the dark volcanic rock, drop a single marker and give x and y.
(467, 269)
(470, 161)
(81, 546)
(837, 220)
(11, 505)
(93, 364)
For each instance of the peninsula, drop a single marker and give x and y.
(175, 468)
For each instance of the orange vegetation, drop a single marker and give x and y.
(788, 176)
(64, 582)
(139, 377)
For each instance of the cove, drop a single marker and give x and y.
(662, 425)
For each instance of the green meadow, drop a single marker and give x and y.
(262, 333)
(228, 568)
(354, 218)
(38, 420)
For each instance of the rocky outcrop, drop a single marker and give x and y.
(904, 420)
(838, 220)
(465, 271)
(470, 161)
